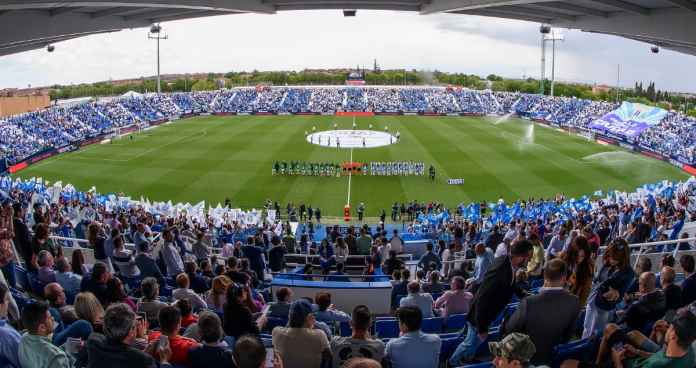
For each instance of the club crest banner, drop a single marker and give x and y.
(630, 120)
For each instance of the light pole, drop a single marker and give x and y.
(156, 34)
(547, 34)
(553, 37)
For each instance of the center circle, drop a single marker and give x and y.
(352, 138)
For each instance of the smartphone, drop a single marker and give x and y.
(163, 342)
(270, 354)
(72, 345)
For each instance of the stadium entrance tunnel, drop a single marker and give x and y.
(352, 138)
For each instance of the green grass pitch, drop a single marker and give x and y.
(210, 158)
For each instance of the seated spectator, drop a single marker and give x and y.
(237, 317)
(183, 292)
(35, 347)
(249, 352)
(671, 290)
(327, 312)
(198, 283)
(413, 349)
(213, 353)
(428, 258)
(362, 363)
(415, 298)
(689, 284)
(123, 259)
(169, 253)
(392, 263)
(454, 301)
(515, 350)
(433, 285)
(98, 282)
(114, 348)
(638, 351)
(649, 307)
(66, 278)
(9, 337)
(280, 308)
(300, 345)
(187, 316)
(555, 306)
(170, 324)
(67, 323)
(150, 303)
(46, 273)
(118, 294)
(147, 264)
(360, 343)
(215, 297)
(88, 308)
(400, 289)
(200, 248)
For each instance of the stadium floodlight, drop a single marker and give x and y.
(655, 49)
(50, 48)
(156, 34)
(553, 37)
(548, 35)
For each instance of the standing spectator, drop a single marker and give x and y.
(97, 240)
(413, 349)
(396, 243)
(146, 264)
(484, 260)
(392, 263)
(429, 258)
(170, 254)
(415, 298)
(364, 242)
(212, 353)
(360, 343)
(276, 255)
(7, 253)
(300, 345)
(400, 289)
(113, 349)
(556, 245)
(491, 299)
(536, 262)
(9, 337)
(456, 300)
(689, 284)
(581, 266)
(555, 306)
(254, 254)
(35, 348)
(200, 248)
(77, 263)
(22, 237)
(170, 324)
(608, 287)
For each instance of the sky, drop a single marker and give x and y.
(325, 39)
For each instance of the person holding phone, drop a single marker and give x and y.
(170, 324)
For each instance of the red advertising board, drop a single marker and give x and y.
(20, 166)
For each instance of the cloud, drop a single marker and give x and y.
(325, 39)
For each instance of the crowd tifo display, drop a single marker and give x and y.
(29, 137)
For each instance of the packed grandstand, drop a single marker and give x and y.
(58, 127)
(605, 279)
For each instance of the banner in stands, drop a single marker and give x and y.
(18, 167)
(630, 119)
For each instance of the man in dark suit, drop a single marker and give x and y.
(555, 306)
(147, 265)
(491, 299)
(22, 237)
(255, 255)
(688, 286)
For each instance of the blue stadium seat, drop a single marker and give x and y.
(387, 328)
(274, 322)
(455, 322)
(432, 325)
(509, 310)
(577, 350)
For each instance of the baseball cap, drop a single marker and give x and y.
(299, 310)
(515, 346)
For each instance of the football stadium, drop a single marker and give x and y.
(415, 222)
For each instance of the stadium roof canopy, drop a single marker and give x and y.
(31, 24)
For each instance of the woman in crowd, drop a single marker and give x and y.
(78, 264)
(536, 262)
(580, 268)
(118, 294)
(88, 308)
(96, 241)
(341, 250)
(124, 258)
(608, 287)
(237, 317)
(215, 297)
(433, 285)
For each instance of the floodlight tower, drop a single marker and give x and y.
(156, 34)
(544, 30)
(553, 37)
